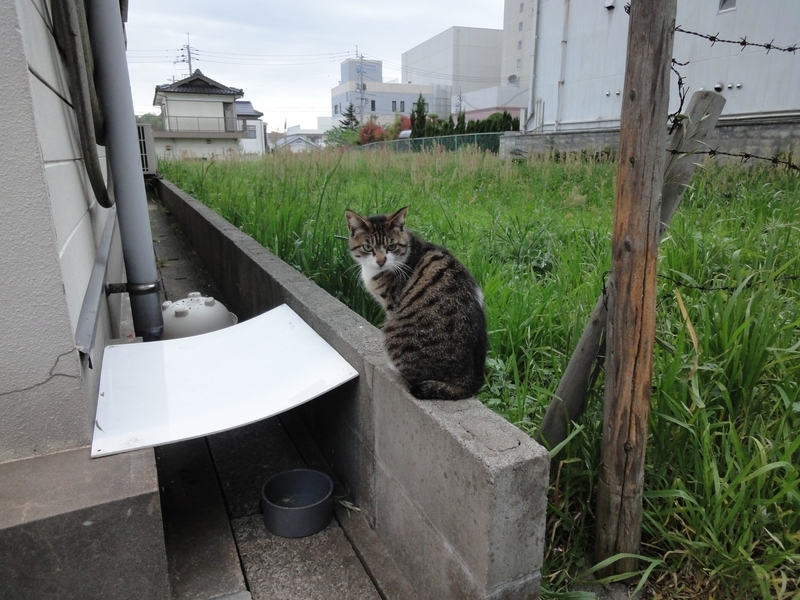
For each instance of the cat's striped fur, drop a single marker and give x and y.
(435, 330)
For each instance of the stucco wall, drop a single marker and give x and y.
(49, 224)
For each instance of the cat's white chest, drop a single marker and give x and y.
(367, 273)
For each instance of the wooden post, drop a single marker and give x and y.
(569, 401)
(630, 330)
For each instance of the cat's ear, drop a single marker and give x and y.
(355, 221)
(398, 219)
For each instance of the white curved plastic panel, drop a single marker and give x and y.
(160, 392)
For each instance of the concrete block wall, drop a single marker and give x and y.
(457, 493)
(763, 137)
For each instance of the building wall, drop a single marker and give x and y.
(591, 63)
(352, 70)
(518, 20)
(49, 227)
(437, 98)
(253, 145)
(177, 148)
(466, 58)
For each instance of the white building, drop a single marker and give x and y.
(560, 63)
(362, 86)
(574, 54)
(200, 120)
(465, 58)
(253, 138)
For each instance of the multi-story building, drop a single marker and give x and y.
(560, 64)
(465, 58)
(253, 138)
(574, 54)
(362, 86)
(203, 118)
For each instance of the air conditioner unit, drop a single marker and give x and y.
(147, 149)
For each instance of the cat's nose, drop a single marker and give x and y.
(380, 259)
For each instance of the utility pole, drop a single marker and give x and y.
(187, 57)
(189, 52)
(361, 86)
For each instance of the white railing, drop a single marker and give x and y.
(204, 124)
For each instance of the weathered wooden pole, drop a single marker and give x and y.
(569, 400)
(630, 330)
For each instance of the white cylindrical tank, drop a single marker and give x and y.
(194, 315)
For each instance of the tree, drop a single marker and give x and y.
(350, 120)
(151, 119)
(400, 123)
(461, 124)
(418, 118)
(371, 132)
(339, 137)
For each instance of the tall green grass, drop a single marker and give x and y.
(722, 498)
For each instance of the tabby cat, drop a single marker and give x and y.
(435, 330)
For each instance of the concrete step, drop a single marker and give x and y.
(74, 527)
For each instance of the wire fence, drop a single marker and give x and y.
(482, 141)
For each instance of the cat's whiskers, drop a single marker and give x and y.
(401, 268)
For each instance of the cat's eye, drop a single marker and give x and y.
(366, 247)
(391, 247)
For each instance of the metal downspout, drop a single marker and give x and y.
(562, 68)
(122, 146)
(532, 86)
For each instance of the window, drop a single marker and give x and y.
(251, 132)
(336, 109)
(394, 105)
(521, 7)
(372, 105)
(726, 4)
(519, 45)
(520, 26)
(519, 63)
(402, 106)
(413, 106)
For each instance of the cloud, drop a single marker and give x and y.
(286, 57)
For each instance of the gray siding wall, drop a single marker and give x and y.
(49, 227)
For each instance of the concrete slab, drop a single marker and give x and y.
(201, 553)
(378, 561)
(180, 269)
(246, 457)
(319, 567)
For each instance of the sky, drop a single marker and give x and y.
(286, 54)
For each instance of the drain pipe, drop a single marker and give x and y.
(122, 145)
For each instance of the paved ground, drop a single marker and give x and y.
(217, 545)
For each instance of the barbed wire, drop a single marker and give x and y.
(745, 156)
(674, 118)
(708, 287)
(740, 42)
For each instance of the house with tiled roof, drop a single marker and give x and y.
(253, 140)
(200, 119)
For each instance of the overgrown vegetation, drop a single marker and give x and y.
(722, 498)
(422, 125)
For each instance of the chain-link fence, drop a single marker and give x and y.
(482, 141)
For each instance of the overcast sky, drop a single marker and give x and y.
(285, 55)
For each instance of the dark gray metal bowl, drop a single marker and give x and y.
(297, 503)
